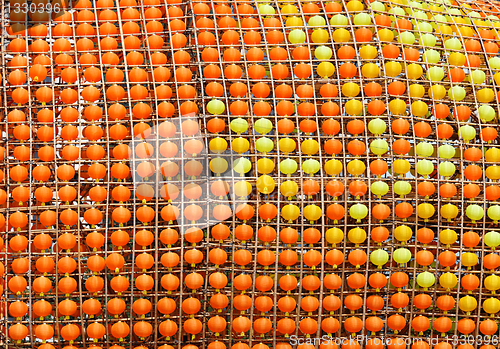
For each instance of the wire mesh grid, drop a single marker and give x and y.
(151, 243)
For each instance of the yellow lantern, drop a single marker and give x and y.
(353, 107)
(397, 106)
(265, 184)
(474, 212)
(218, 166)
(311, 166)
(403, 233)
(341, 35)
(368, 52)
(325, 69)
(289, 189)
(393, 69)
(286, 145)
(448, 237)
(265, 165)
(416, 91)
(448, 280)
(334, 236)
(419, 108)
(320, 36)
(356, 167)
(414, 71)
(312, 213)
(288, 166)
(358, 211)
(290, 213)
(425, 167)
(385, 35)
(425, 211)
(289, 9)
(217, 145)
(449, 212)
(294, 21)
(242, 188)
(350, 89)
(496, 77)
(437, 92)
(491, 305)
(492, 155)
(456, 59)
(240, 145)
(485, 95)
(355, 6)
(401, 167)
(425, 280)
(242, 165)
(469, 259)
(492, 283)
(493, 172)
(333, 167)
(310, 147)
(370, 70)
(356, 235)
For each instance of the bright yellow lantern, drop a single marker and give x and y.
(357, 236)
(289, 188)
(425, 211)
(265, 165)
(353, 107)
(312, 213)
(356, 167)
(334, 236)
(333, 167)
(290, 212)
(350, 89)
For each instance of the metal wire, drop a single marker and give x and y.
(192, 19)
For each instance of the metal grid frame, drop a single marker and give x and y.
(231, 244)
